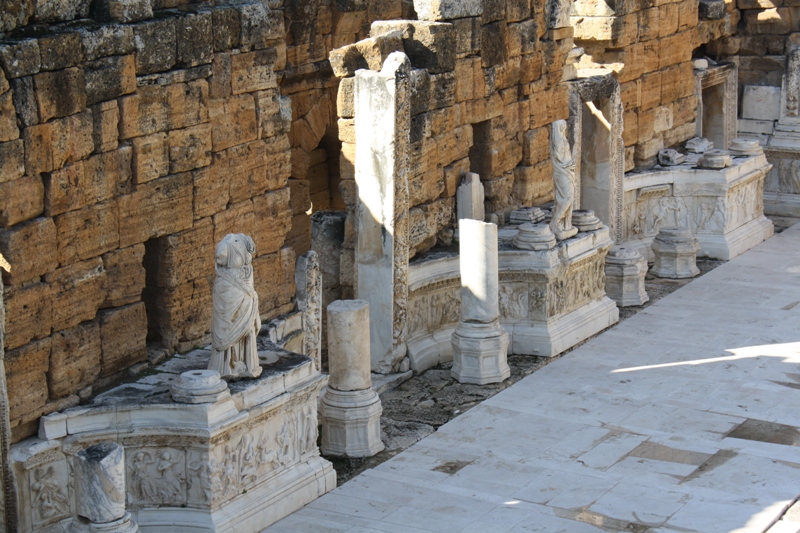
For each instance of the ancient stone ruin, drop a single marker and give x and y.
(347, 139)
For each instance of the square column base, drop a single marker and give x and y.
(479, 353)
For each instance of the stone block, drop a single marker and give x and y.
(676, 49)
(29, 313)
(156, 208)
(71, 139)
(253, 71)
(156, 46)
(259, 24)
(194, 39)
(273, 220)
(761, 102)
(105, 126)
(60, 11)
(60, 50)
(351, 423)
(625, 271)
(226, 26)
(650, 90)
(774, 21)
(28, 248)
(60, 93)
(211, 187)
(109, 77)
(273, 275)
(535, 146)
(78, 290)
(123, 334)
(8, 118)
(445, 10)
(181, 314)
(429, 45)
(237, 218)
(187, 104)
(144, 112)
(533, 185)
(189, 148)
(480, 353)
(87, 232)
(181, 257)
(247, 171)
(124, 11)
(107, 40)
(106, 175)
(20, 200)
(74, 359)
(711, 9)
(20, 58)
(12, 160)
(344, 98)
(493, 43)
(675, 252)
(233, 121)
(677, 82)
(26, 378)
(150, 157)
(125, 274)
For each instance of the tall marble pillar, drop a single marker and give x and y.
(787, 131)
(350, 410)
(100, 490)
(480, 343)
(382, 125)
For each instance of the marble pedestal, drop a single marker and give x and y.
(351, 423)
(549, 300)
(625, 273)
(723, 208)
(675, 252)
(482, 350)
(237, 464)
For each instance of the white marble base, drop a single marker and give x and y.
(253, 511)
(565, 331)
(782, 204)
(736, 242)
(126, 524)
(351, 423)
(479, 353)
(625, 273)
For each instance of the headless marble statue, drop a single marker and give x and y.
(235, 321)
(563, 180)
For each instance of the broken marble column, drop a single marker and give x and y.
(199, 386)
(308, 280)
(625, 272)
(469, 197)
(586, 220)
(100, 490)
(382, 125)
(669, 157)
(715, 159)
(699, 145)
(535, 237)
(675, 250)
(350, 410)
(480, 343)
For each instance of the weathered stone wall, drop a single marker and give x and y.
(650, 45)
(127, 150)
(487, 81)
(768, 27)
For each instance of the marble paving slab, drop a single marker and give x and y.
(636, 430)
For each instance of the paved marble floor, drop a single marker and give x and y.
(683, 418)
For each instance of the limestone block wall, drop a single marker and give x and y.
(649, 47)
(128, 148)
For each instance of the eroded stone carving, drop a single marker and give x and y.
(308, 280)
(49, 495)
(563, 180)
(235, 321)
